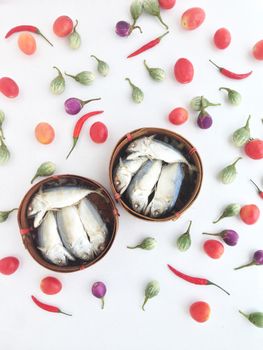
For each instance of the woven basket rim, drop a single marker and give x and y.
(124, 140)
(25, 230)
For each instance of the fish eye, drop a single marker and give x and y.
(133, 144)
(117, 182)
(156, 212)
(30, 208)
(136, 205)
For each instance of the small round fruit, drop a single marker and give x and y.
(27, 43)
(63, 26)
(213, 248)
(249, 214)
(258, 50)
(98, 132)
(192, 18)
(200, 311)
(50, 285)
(178, 116)
(44, 133)
(167, 4)
(254, 149)
(9, 265)
(183, 71)
(222, 38)
(9, 87)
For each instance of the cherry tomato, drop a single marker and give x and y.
(222, 38)
(254, 149)
(213, 248)
(50, 285)
(98, 132)
(9, 87)
(44, 133)
(249, 214)
(183, 71)
(63, 26)
(27, 43)
(167, 4)
(257, 50)
(200, 311)
(192, 18)
(178, 116)
(9, 265)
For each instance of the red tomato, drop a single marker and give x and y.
(98, 132)
(50, 285)
(200, 311)
(178, 116)
(213, 248)
(44, 133)
(249, 214)
(258, 50)
(183, 71)
(192, 18)
(254, 149)
(9, 87)
(167, 4)
(63, 26)
(222, 38)
(27, 43)
(9, 265)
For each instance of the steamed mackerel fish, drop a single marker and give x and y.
(155, 149)
(55, 198)
(143, 183)
(167, 191)
(93, 225)
(49, 242)
(73, 234)
(125, 171)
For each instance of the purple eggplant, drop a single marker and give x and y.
(74, 105)
(124, 28)
(257, 260)
(230, 237)
(99, 290)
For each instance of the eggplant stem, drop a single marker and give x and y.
(220, 217)
(242, 313)
(87, 101)
(69, 75)
(137, 27)
(211, 234)
(248, 119)
(145, 301)
(102, 303)
(246, 265)
(161, 20)
(137, 246)
(238, 159)
(59, 71)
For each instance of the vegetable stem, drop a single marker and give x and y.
(129, 81)
(87, 101)
(214, 64)
(102, 303)
(145, 301)
(246, 265)
(43, 36)
(236, 160)
(59, 71)
(137, 27)
(69, 75)
(247, 123)
(255, 185)
(64, 313)
(161, 36)
(216, 285)
(242, 313)
(75, 140)
(161, 20)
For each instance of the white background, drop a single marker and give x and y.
(123, 325)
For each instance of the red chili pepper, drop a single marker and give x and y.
(260, 193)
(230, 74)
(147, 46)
(26, 28)
(79, 126)
(194, 280)
(46, 307)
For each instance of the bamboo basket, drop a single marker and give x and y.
(106, 208)
(189, 192)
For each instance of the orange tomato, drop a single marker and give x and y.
(44, 133)
(200, 311)
(27, 43)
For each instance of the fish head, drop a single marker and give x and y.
(55, 255)
(139, 205)
(121, 181)
(157, 208)
(140, 145)
(37, 205)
